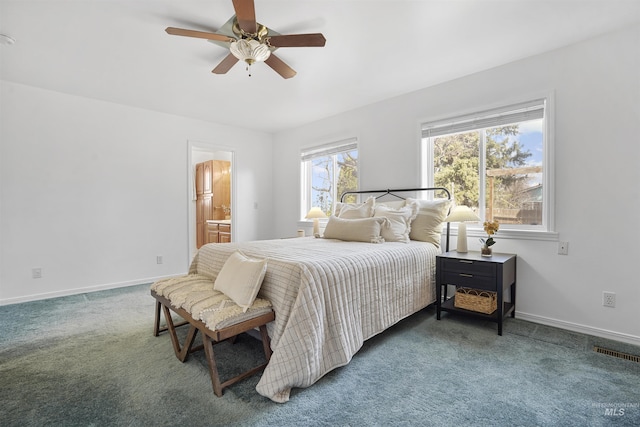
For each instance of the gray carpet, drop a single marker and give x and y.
(91, 360)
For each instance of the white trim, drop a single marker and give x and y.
(329, 149)
(548, 173)
(327, 142)
(485, 107)
(583, 329)
(507, 114)
(476, 231)
(84, 290)
(303, 186)
(425, 157)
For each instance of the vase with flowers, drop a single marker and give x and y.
(227, 211)
(491, 228)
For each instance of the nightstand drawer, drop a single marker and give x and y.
(469, 280)
(475, 268)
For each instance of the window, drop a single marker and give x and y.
(494, 162)
(327, 172)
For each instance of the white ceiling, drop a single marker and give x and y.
(118, 51)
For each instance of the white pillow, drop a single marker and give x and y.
(240, 278)
(355, 230)
(355, 210)
(427, 226)
(400, 222)
(393, 204)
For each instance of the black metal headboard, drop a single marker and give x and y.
(390, 192)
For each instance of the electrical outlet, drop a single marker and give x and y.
(563, 248)
(36, 273)
(159, 259)
(608, 299)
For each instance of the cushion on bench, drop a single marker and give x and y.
(195, 294)
(229, 313)
(180, 286)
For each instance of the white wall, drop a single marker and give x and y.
(597, 157)
(92, 191)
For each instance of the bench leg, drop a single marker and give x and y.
(181, 351)
(266, 342)
(156, 324)
(213, 368)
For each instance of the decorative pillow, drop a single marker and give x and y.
(355, 230)
(399, 222)
(355, 210)
(240, 278)
(427, 226)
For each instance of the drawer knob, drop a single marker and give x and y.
(466, 275)
(466, 261)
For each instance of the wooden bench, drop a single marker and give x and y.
(210, 336)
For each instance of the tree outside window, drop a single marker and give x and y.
(328, 172)
(331, 176)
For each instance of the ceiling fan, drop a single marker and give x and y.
(251, 41)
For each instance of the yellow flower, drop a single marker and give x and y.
(491, 227)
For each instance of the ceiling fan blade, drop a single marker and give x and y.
(298, 40)
(199, 34)
(246, 15)
(225, 65)
(280, 67)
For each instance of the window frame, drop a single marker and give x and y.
(309, 153)
(509, 231)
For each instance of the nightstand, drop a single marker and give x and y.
(496, 273)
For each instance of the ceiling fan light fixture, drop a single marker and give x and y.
(249, 50)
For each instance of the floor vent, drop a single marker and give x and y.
(617, 354)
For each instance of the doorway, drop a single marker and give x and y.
(216, 195)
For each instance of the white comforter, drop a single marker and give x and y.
(329, 296)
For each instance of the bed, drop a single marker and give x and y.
(330, 295)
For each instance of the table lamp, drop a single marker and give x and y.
(315, 213)
(461, 215)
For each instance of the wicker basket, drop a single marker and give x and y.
(476, 300)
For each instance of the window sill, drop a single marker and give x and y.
(552, 236)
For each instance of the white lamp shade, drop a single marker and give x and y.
(462, 214)
(315, 212)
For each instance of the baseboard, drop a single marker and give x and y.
(588, 330)
(76, 291)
